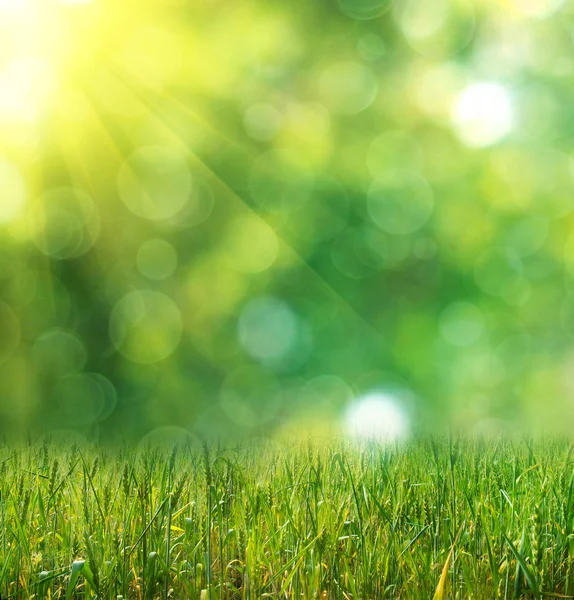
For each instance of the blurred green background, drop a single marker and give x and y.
(240, 218)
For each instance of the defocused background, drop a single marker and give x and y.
(240, 217)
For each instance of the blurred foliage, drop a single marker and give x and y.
(238, 216)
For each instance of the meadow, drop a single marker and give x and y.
(226, 219)
(330, 519)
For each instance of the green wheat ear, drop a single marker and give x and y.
(337, 522)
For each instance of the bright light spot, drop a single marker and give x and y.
(482, 114)
(15, 5)
(39, 42)
(26, 86)
(377, 416)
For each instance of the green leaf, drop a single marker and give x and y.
(530, 579)
(77, 568)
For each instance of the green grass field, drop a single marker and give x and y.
(310, 520)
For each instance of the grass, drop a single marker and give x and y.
(428, 519)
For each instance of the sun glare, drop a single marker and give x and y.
(482, 114)
(39, 41)
(377, 416)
